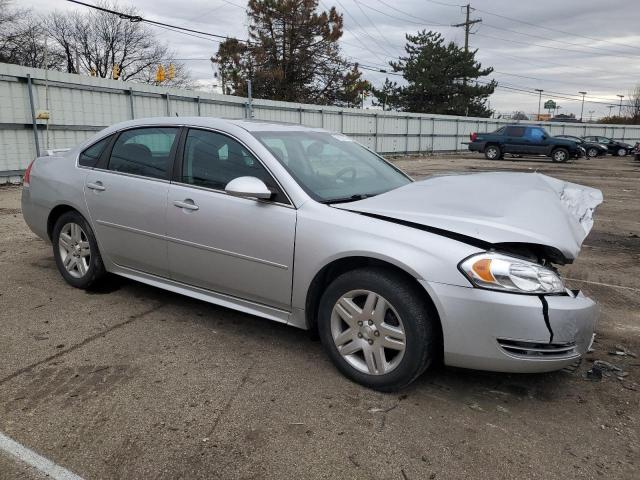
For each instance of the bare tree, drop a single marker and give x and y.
(99, 43)
(632, 109)
(23, 41)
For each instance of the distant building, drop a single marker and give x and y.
(543, 117)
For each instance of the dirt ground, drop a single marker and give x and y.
(134, 382)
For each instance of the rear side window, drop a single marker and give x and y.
(515, 131)
(500, 131)
(144, 151)
(90, 157)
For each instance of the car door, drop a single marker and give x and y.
(539, 141)
(127, 198)
(237, 246)
(514, 141)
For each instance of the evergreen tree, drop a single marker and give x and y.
(441, 78)
(292, 55)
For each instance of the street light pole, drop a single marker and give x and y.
(582, 109)
(610, 107)
(539, 90)
(620, 108)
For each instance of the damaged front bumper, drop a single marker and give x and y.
(507, 332)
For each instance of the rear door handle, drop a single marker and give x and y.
(188, 204)
(96, 186)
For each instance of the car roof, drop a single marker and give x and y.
(216, 122)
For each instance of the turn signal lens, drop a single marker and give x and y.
(496, 271)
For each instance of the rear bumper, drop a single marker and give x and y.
(506, 332)
(476, 146)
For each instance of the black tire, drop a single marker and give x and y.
(421, 337)
(493, 152)
(592, 152)
(560, 155)
(95, 271)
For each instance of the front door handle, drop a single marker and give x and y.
(96, 186)
(188, 204)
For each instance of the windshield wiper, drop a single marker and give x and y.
(352, 198)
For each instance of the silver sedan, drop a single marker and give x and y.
(307, 227)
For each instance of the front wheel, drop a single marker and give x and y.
(76, 251)
(621, 152)
(376, 328)
(560, 155)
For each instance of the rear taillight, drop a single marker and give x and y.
(27, 175)
(473, 136)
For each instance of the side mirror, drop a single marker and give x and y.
(248, 187)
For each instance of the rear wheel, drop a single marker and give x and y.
(592, 152)
(621, 152)
(76, 251)
(492, 152)
(560, 155)
(376, 328)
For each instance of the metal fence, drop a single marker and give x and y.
(80, 105)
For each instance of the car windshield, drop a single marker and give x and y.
(331, 167)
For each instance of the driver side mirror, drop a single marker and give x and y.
(248, 187)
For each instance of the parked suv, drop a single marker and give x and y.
(524, 140)
(616, 147)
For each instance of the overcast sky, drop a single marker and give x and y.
(563, 47)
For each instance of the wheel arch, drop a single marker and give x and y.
(338, 266)
(55, 214)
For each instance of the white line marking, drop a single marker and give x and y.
(38, 462)
(603, 284)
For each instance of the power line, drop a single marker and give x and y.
(138, 18)
(536, 25)
(382, 36)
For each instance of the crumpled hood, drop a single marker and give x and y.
(494, 207)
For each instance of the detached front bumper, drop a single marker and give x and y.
(506, 332)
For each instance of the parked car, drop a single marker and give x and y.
(592, 149)
(615, 147)
(524, 140)
(309, 228)
(636, 151)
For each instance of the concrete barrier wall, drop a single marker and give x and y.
(81, 105)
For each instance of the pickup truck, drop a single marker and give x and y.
(524, 140)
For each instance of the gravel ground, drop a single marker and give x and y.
(135, 382)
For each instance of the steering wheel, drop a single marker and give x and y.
(344, 172)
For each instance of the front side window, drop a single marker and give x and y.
(212, 160)
(90, 156)
(331, 167)
(537, 134)
(144, 151)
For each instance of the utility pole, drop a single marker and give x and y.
(539, 90)
(610, 107)
(467, 31)
(467, 25)
(620, 108)
(582, 109)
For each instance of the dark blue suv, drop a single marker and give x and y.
(524, 140)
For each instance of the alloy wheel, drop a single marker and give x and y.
(368, 332)
(559, 156)
(592, 152)
(75, 250)
(622, 152)
(492, 153)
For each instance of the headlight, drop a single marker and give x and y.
(505, 273)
